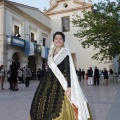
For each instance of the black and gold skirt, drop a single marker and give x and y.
(50, 102)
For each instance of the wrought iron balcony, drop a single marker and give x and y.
(30, 48)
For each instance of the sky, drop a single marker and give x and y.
(41, 4)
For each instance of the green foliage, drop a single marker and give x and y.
(100, 27)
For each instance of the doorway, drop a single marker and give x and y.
(32, 64)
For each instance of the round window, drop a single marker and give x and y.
(65, 5)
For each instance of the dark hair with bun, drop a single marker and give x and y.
(59, 33)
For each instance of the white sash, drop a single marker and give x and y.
(56, 71)
(77, 96)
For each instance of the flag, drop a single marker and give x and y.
(9, 41)
(29, 48)
(17, 41)
(31, 51)
(44, 52)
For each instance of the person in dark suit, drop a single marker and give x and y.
(79, 73)
(83, 73)
(96, 76)
(111, 71)
(27, 76)
(39, 74)
(13, 76)
(105, 74)
(8, 77)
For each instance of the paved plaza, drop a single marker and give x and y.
(103, 100)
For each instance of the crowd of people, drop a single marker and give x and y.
(24, 75)
(17, 76)
(93, 75)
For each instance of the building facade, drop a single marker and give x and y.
(61, 13)
(36, 27)
(29, 24)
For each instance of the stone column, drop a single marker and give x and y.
(3, 38)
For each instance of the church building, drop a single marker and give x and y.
(25, 31)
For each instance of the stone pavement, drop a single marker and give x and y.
(103, 100)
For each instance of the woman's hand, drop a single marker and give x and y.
(68, 92)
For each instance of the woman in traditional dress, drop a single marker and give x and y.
(59, 96)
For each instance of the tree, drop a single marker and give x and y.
(100, 27)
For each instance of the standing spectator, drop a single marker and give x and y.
(83, 74)
(105, 74)
(24, 74)
(90, 76)
(2, 71)
(102, 72)
(39, 74)
(96, 76)
(27, 76)
(19, 75)
(46, 68)
(9, 78)
(111, 71)
(79, 73)
(32, 71)
(14, 76)
(86, 75)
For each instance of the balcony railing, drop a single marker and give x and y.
(30, 48)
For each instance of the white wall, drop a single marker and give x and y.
(35, 13)
(83, 56)
(26, 27)
(11, 18)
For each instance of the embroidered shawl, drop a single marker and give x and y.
(78, 99)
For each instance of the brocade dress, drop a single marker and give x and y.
(50, 101)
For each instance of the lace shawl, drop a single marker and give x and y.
(77, 97)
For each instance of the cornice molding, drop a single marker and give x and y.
(68, 10)
(84, 5)
(22, 5)
(16, 20)
(44, 35)
(23, 14)
(33, 28)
